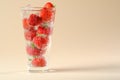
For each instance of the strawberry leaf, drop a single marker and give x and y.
(45, 24)
(32, 45)
(30, 59)
(41, 35)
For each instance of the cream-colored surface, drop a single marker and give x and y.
(86, 41)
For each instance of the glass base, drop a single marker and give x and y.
(38, 69)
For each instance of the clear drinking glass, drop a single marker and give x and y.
(38, 27)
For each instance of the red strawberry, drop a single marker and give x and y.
(40, 42)
(30, 34)
(32, 51)
(34, 20)
(39, 62)
(44, 30)
(46, 14)
(49, 5)
(25, 24)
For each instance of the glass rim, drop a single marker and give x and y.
(33, 8)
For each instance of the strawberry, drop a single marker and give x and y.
(34, 20)
(49, 5)
(44, 30)
(32, 51)
(46, 14)
(40, 42)
(25, 24)
(30, 34)
(39, 62)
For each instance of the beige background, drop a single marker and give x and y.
(86, 40)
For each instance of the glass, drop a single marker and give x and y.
(38, 27)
